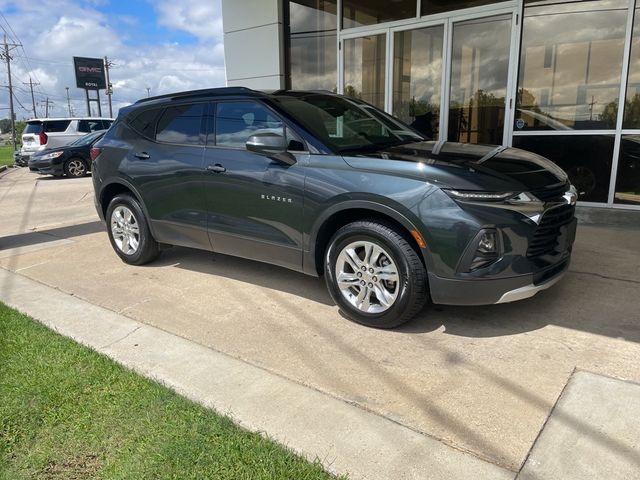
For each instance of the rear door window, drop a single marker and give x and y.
(87, 126)
(181, 124)
(56, 126)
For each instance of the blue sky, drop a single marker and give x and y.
(165, 45)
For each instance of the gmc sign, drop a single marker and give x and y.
(89, 73)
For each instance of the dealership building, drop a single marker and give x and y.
(560, 78)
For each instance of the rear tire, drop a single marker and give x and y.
(374, 275)
(129, 231)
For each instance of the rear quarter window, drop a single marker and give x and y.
(33, 127)
(145, 122)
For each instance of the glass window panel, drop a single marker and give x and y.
(364, 68)
(417, 73)
(313, 44)
(181, 124)
(429, 7)
(237, 121)
(628, 177)
(356, 13)
(479, 71)
(570, 65)
(585, 158)
(632, 104)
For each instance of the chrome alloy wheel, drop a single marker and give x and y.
(125, 230)
(76, 168)
(367, 277)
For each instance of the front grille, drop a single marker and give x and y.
(545, 239)
(551, 193)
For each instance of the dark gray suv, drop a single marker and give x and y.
(329, 185)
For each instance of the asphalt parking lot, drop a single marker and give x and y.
(481, 379)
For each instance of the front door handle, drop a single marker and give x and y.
(217, 168)
(142, 156)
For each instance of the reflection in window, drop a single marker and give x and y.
(429, 7)
(632, 104)
(585, 158)
(628, 177)
(313, 44)
(356, 13)
(181, 124)
(237, 121)
(479, 68)
(571, 63)
(417, 73)
(364, 65)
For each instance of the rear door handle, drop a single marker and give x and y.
(142, 156)
(217, 168)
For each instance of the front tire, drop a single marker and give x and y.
(75, 168)
(374, 275)
(129, 231)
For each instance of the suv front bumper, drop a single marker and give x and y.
(485, 291)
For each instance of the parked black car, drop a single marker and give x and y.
(72, 160)
(330, 185)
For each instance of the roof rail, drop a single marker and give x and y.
(203, 93)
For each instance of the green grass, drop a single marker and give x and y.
(67, 412)
(6, 155)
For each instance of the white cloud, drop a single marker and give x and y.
(200, 18)
(81, 30)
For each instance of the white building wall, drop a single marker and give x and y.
(253, 43)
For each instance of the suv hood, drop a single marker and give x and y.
(464, 166)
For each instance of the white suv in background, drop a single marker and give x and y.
(46, 133)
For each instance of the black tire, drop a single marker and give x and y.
(147, 248)
(75, 168)
(411, 293)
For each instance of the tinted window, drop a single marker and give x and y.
(33, 127)
(429, 7)
(56, 125)
(105, 124)
(181, 124)
(585, 158)
(145, 122)
(628, 178)
(237, 121)
(368, 12)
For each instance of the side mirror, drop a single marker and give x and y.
(270, 145)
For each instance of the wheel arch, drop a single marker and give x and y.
(116, 187)
(339, 215)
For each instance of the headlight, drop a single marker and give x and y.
(473, 196)
(51, 156)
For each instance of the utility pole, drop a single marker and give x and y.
(148, 90)
(33, 100)
(68, 102)
(47, 102)
(5, 56)
(109, 92)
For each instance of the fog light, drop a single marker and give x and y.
(487, 243)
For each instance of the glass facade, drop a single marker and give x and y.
(313, 29)
(479, 74)
(467, 71)
(417, 78)
(356, 13)
(364, 68)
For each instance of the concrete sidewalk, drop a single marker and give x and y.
(347, 439)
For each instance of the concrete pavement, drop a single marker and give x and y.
(481, 380)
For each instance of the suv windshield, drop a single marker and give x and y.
(346, 125)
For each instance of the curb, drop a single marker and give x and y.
(343, 437)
